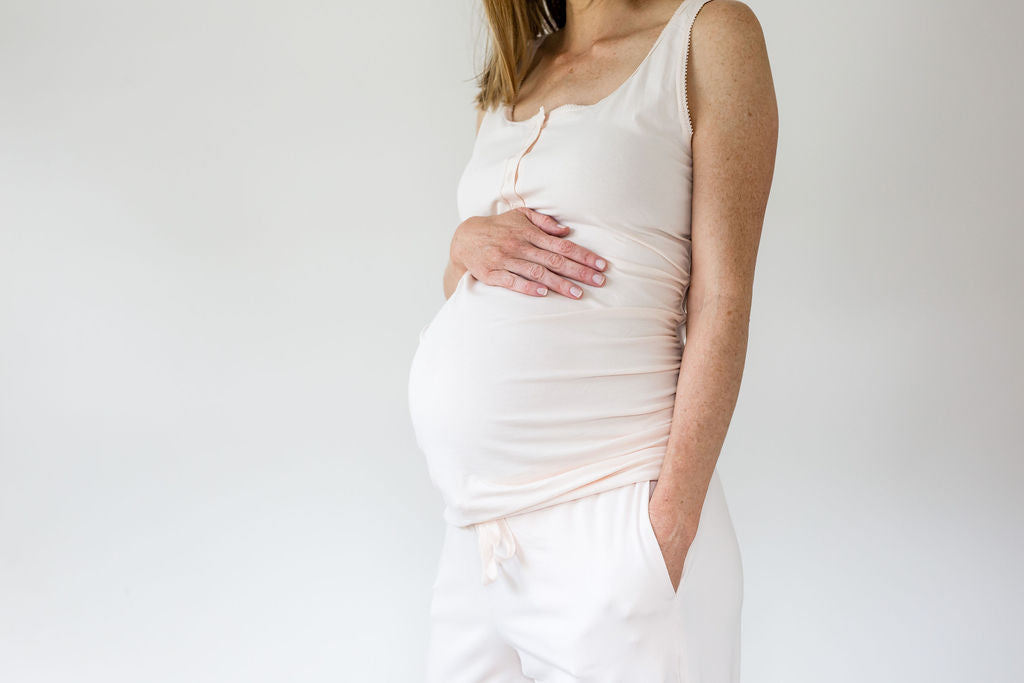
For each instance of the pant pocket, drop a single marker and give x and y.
(663, 579)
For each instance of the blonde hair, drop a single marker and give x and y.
(514, 26)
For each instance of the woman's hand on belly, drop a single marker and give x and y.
(523, 250)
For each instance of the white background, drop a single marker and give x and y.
(222, 225)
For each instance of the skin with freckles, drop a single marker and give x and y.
(735, 130)
(734, 115)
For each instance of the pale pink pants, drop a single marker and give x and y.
(579, 592)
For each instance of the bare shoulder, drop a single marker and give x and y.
(727, 20)
(728, 72)
(724, 12)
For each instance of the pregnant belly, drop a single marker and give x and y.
(511, 389)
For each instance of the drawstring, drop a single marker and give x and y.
(496, 543)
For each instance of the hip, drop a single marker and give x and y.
(584, 583)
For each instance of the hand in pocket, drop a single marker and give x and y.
(675, 532)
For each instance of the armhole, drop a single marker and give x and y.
(685, 60)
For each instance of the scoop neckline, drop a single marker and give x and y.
(570, 106)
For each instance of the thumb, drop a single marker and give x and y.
(545, 222)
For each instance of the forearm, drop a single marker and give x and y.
(706, 393)
(455, 269)
(452, 273)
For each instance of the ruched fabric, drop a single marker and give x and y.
(521, 402)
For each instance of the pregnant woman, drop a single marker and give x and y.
(611, 212)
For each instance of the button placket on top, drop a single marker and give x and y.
(495, 537)
(511, 197)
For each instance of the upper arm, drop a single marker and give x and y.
(735, 130)
(479, 118)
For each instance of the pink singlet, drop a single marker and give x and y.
(542, 419)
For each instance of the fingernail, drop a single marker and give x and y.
(598, 278)
(575, 291)
(600, 263)
(542, 291)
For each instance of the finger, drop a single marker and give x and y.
(563, 265)
(538, 279)
(538, 273)
(543, 221)
(568, 249)
(516, 282)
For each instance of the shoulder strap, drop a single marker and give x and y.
(688, 17)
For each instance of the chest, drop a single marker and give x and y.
(605, 165)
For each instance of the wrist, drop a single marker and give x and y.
(679, 503)
(455, 270)
(671, 525)
(454, 254)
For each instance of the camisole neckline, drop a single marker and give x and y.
(505, 110)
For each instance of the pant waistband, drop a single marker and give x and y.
(496, 543)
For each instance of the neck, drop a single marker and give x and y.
(590, 21)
